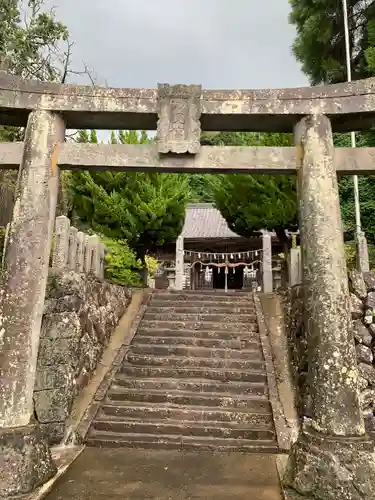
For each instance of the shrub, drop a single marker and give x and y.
(122, 266)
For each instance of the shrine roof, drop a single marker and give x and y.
(203, 220)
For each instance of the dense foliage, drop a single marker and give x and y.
(145, 209)
(33, 44)
(253, 202)
(320, 42)
(320, 48)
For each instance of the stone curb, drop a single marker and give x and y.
(281, 427)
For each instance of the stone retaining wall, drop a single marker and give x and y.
(81, 312)
(362, 288)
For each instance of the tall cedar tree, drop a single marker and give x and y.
(145, 209)
(320, 48)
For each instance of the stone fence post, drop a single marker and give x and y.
(72, 251)
(102, 253)
(80, 252)
(363, 264)
(61, 243)
(25, 460)
(267, 262)
(179, 273)
(77, 251)
(295, 267)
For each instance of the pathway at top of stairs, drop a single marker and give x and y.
(194, 378)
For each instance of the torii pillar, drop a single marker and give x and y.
(332, 458)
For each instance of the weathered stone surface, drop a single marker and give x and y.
(327, 469)
(369, 278)
(362, 383)
(361, 333)
(80, 314)
(371, 329)
(53, 405)
(364, 354)
(367, 372)
(367, 398)
(349, 104)
(333, 370)
(368, 317)
(25, 277)
(357, 284)
(53, 432)
(370, 301)
(267, 262)
(54, 377)
(130, 157)
(80, 252)
(356, 306)
(179, 111)
(25, 460)
(362, 252)
(370, 422)
(58, 351)
(60, 325)
(61, 243)
(72, 251)
(95, 257)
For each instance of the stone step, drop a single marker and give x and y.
(223, 374)
(181, 362)
(169, 442)
(166, 315)
(208, 295)
(198, 352)
(129, 410)
(143, 340)
(255, 403)
(192, 385)
(186, 428)
(231, 327)
(145, 331)
(199, 308)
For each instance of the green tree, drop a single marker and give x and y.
(320, 48)
(145, 209)
(320, 43)
(250, 203)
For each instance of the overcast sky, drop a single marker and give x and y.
(217, 43)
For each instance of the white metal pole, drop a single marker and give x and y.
(353, 138)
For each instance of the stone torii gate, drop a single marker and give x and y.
(332, 457)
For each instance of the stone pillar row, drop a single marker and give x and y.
(76, 250)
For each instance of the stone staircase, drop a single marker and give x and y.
(194, 378)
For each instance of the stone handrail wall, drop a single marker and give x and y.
(77, 251)
(80, 314)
